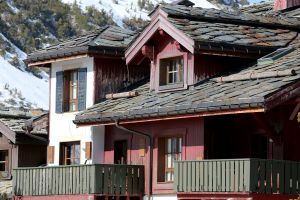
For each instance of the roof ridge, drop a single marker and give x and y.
(230, 17)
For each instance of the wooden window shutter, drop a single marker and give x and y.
(50, 156)
(88, 150)
(82, 89)
(59, 91)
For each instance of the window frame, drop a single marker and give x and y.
(175, 86)
(7, 165)
(167, 153)
(171, 133)
(68, 90)
(63, 152)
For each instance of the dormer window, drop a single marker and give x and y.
(172, 68)
(171, 73)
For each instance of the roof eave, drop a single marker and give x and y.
(93, 121)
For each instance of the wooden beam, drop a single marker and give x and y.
(148, 51)
(265, 125)
(121, 95)
(202, 114)
(295, 112)
(255, 75)
(38, 63)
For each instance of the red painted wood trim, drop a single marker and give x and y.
(159, 21)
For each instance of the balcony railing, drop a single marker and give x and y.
(127, 180)
(238, 175)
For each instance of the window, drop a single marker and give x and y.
(169, 150)
(270, 58)
(171, 71)
(70, 153)
(71, 91)
(3, 160)
(71, 88)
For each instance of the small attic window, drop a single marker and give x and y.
(171, 72)
(270, 58)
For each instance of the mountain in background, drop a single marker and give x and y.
(28, 25)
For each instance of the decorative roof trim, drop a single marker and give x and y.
(158, 21)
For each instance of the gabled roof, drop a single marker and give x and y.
(12, 125)
(207, 97)
(198, 28)
(108, 40)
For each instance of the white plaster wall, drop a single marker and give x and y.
(98, 134)
(62, 128)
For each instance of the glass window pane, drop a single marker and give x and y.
(74, 78)
(169, 161)
(72, 106)
(168, 176)
(179, 145)
(174, 145)
(77, 151)
(74, 92)
(171, 78)
(169, 143)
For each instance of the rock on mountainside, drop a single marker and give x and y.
(122, 9)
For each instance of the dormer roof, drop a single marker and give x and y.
(198, 28)
(108, 40)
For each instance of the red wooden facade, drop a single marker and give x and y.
(115, 69)
(191, 130)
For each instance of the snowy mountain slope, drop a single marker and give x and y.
(121, 9)
(18, 87)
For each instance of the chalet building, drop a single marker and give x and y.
(202, 104)
(20, 145)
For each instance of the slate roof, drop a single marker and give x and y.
(108, 40)
(15, 121)
(266, 8)
(205, 96)
(232, 28)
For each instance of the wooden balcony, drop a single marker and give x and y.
(110, 180)
(237, 176)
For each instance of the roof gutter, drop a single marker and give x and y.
(149, 150)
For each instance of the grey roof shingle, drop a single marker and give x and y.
(15, 120)
(234, 34)
(107, 40)
(232, 28)
(205, 96)
(266, 9)
(231, 17)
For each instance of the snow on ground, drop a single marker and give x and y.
(128, 8)
(22, 86)
(19, 87)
